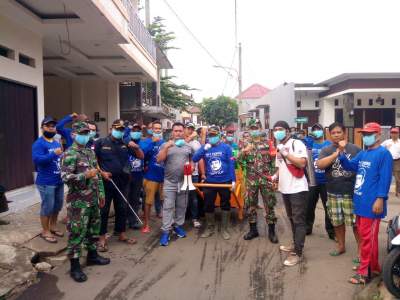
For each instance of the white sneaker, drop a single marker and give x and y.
(292, 260)
(196, 223)
(286, 248)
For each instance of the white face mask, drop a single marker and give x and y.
(57, 137)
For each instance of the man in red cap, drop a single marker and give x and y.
(393, 145)
(374, 174)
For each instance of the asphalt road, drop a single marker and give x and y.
(195, 268)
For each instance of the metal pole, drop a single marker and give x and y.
(147, 9)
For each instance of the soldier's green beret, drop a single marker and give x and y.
(254, 123)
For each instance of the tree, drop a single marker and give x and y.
(172, 94)
(220, 111)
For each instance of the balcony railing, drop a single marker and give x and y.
(137, 28)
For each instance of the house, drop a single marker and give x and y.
(192, 115)
(58, 57)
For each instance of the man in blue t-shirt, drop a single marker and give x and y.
(46, 156)
(220, 169)
(374, 175)
(319, 190)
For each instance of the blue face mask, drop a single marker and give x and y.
(157, 135)
(82, 139)
(179, 142)
(369, 140)
(255, 133)
(136, 135)
(117, 134)
(214, 140)
(318, 134)
(280, 135)
(92, 134)
(149, 131)
(229, 138)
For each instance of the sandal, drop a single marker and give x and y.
(49, 239)
(336, 252)
(57, 233)
(356, 261)
(359, 279)
(130, 241)
(102, 247)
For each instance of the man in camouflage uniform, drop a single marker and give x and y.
(85, 195)
(258, 160)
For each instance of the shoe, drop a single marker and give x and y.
(286, 248)
(135, 226)
(292, 260)
(164, 240)
(76, 271)
(309, 232)
(210, 225)
(225, 214)
(253, 232)
(146, 229)
(332, 236)
(271, 234)
(196, 223)
(180, 232)
(93, 258)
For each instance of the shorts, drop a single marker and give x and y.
(52, 197)
(340, 209)
(150, 189)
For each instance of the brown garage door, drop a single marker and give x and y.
(312, 116)
(18, 111)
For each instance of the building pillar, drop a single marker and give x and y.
(348, 110)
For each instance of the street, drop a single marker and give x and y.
(194, 268)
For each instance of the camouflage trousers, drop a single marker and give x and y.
(252, 188)
(83, 227)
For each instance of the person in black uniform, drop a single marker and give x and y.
(113, 158)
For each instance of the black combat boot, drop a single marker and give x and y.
(271, 234)
(93, 258)
(76, 271)
(253, 233)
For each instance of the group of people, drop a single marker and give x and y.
(135, 168)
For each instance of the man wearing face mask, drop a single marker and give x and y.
(260, 167)
(220, 168)
(112, 155)
(84, 200)
(175, 154)
(374, 175)
(291, 160)
(93, 135)
(136, 182)
(319, 191)
(46, 156)
(154, 173)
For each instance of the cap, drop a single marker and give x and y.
(394, 130)
(136, 125)
(371, 128)
(190, 125)
(48, 120)
(79, 127)
(214, 129)
(118, 124)
(282, 124)
(317, 125)
(254, 123)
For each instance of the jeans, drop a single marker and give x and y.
(112, 195)
(314, 194)
(295, 205)
(135, 189)
(52, 197)
(193, 204)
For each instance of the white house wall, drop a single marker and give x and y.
(282, 104)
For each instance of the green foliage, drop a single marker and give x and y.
(161, 36)
(219, 111)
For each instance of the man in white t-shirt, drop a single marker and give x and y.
(393, 145)
(291, 160)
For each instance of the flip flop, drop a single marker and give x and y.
(359, 279)
(336, 253)
(49, 239)
(130, 241)
(356, 261)
(57, 233)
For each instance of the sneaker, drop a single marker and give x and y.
(146, 229)
(286, 248)
(180, 232)
(164, 240)
(292, 260)
(196, 223)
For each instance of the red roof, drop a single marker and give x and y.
(255, 91)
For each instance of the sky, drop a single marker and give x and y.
(302, 41)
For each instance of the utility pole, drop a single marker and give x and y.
(240, 68)
(147, 9)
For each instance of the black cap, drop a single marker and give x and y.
(317, 125)
(48, 120)
(282, 124)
